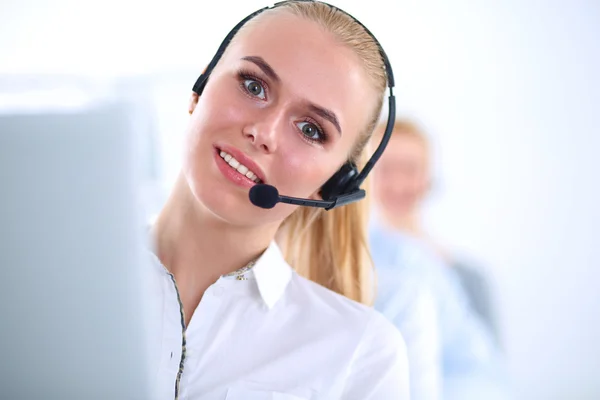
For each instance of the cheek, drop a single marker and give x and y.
(219, 113)
(305, 168)
(301, 171)
(220, 110)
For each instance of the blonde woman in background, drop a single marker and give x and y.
(284, 105)
(461, 355)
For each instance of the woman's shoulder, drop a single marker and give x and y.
(377, 361)
(325, 304)
(312, 294)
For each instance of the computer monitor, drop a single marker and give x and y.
(72, 256)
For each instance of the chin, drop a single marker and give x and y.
(230, 208)
(229, 203)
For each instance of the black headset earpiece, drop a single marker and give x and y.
(340, 183)
(344, 186)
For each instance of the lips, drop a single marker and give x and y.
(244, 160)
(239, 167)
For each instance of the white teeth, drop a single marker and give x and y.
(241, 168)
(250, 175)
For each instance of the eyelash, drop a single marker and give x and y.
(323, 137)
(244, 75)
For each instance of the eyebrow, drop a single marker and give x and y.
(327, 114)
(270, 72)
(264, 66)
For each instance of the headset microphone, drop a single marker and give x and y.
(267, 196)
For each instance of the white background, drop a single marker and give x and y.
(509, 91)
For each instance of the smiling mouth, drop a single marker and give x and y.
(239, 167)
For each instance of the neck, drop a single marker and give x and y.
(197, 247)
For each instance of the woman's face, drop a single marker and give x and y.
(401, 177)
(287, 102)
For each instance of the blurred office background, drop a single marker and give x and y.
(509, 91)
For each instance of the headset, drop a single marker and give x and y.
(344, 186)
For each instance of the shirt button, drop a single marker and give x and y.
(218, 291)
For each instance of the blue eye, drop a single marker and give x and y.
(255, 88)
(311, 131)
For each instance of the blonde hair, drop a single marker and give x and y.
(331, 247)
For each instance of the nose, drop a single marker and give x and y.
(264, 132)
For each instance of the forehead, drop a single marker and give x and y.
(311, 63)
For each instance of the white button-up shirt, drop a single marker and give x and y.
(275, 335)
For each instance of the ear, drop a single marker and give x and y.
(193, 102)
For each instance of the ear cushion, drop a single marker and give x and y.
(339, 182)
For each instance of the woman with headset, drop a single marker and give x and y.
(281, 104)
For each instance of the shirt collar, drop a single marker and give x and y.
(272, 274)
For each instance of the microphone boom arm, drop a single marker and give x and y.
(351, 197)
(306, 202)
(326, 204)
